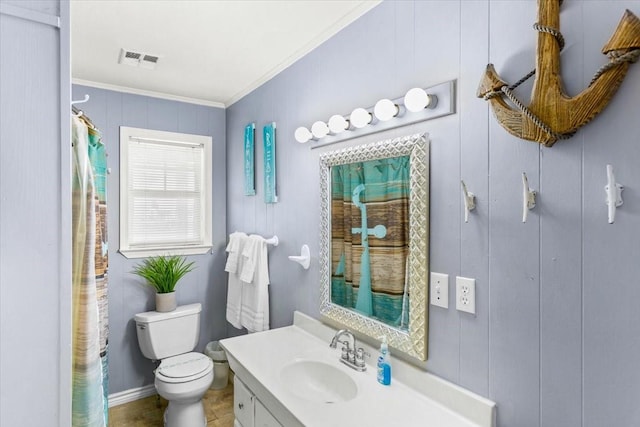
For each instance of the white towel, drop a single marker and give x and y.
(236, 240)
(234, 288)
(255, 284)
(250, 258)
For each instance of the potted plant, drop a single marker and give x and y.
(162, 273)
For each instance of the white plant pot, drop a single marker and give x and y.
(166, 302)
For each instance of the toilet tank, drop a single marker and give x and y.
(162, 335)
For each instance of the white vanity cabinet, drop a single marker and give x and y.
(264, 417)
(242, 403)
(268, 394)
(249, 411)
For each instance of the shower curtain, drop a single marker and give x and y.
(370, 238)
(89, 266)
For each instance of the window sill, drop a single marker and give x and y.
(147, 252)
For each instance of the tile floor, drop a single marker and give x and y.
(147, 412)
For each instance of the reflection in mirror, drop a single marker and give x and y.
(370, 238)
(374, 243)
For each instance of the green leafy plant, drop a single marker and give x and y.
(163, 272)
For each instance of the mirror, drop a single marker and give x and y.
(374, 240)
(370, 238)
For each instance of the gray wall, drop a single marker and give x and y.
(109, 110)
(554, 341)
(35, 214)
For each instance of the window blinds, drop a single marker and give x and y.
(165, 193)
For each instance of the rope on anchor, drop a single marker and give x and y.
(508, 90)
(542, 28)
(535, 119)
(615, 59)
(553, 31)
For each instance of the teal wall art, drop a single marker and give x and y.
(269, 137)
(249, 150)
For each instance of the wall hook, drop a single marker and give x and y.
(304, 259)
(469, 200)
(528, 197)
(614, 194)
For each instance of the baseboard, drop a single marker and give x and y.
(130, 395)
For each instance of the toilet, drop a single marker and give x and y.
(183, 376)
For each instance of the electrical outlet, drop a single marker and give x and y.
(440, 290)
(466, 294)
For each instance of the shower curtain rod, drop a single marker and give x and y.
(77, 111)
(81, 101)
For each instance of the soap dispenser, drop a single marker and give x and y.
(384, 366)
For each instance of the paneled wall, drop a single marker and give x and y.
(554, 341)
(128, 368)
(35, 214)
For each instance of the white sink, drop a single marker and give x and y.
(318, 382)
(300, 380)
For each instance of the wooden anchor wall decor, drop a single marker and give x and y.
(551, 114)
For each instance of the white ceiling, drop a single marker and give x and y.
(211, 52)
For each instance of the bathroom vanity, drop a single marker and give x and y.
(290, 377)
(248, 409)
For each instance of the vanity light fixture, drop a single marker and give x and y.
(319, 129)
(360, 117)
(338, 124)
(417, 105)
(385, 110)
(417, 99)
(302, 135)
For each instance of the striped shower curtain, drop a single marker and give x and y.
(90, 265)
(370, 238)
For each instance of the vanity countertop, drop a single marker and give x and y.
(258, 359)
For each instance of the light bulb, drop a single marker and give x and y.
(302, 135)
(360, 117)
(319, 129)
(338, 124)
(417, 99)
(385, 110)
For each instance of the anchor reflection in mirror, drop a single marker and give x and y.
(365, 268)
(370, 238)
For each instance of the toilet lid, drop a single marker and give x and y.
(184, 365)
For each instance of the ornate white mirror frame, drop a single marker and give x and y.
(413, 341)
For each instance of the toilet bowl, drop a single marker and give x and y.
(183, 380)
(183, 376)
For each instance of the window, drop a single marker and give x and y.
(165, 193)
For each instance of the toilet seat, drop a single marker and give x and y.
(184, 368)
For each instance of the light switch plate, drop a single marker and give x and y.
(466, 294)
(439, 285)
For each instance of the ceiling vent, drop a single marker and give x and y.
(149, 61)
(138, 59)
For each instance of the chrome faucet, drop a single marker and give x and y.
(352, 357)
(340, 333)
